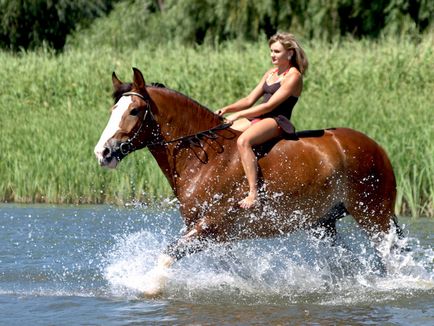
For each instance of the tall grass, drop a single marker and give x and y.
(54, 108)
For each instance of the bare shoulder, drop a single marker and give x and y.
(293, 74)
(293, 82)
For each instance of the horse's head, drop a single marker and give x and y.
(131, 122)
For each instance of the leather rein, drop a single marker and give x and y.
(127, 146)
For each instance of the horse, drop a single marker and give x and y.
(308, 180)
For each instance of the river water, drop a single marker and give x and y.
(85, 265)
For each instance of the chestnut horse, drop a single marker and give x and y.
(308, 180)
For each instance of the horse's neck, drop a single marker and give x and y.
(166, 163)
(177, 116)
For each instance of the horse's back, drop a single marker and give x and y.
(342, 165)
(303, 156)
(337, 148)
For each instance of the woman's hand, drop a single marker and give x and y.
(232, 117)
(222, 111)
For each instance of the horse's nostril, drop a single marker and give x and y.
(106, 152)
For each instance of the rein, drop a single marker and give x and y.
(194, 139)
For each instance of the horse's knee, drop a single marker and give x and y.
(182, 248)
(193, 241)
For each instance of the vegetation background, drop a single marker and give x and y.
(371, 68)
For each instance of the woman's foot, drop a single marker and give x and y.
(250, 201)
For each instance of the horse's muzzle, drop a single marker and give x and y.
(110, 155)
(107, 160)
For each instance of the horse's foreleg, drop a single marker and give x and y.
(183, 247)
(155, 279)
(193, 241)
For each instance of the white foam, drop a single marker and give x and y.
(296, 268)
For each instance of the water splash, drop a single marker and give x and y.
(293, 269)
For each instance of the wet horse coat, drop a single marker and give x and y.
(306, 182)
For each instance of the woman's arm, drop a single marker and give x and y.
(290, 86)
(247, 101)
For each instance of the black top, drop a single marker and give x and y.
(284, 108)
(282, 113)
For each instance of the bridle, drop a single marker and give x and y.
(127, 146)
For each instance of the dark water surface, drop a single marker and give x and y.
(85, 265)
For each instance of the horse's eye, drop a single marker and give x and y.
(134, 112)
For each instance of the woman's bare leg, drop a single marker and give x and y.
(256, 134)
(241, 124)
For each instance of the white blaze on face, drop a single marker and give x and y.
(113, 125)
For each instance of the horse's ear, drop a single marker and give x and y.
(116, 81)
(138, 80)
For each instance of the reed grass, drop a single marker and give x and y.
(54, 108)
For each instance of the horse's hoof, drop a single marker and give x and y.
(153, 284)
(151, 293)
(155, 280)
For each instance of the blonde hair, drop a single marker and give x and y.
(299, 59)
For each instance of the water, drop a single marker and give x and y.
(85, 265)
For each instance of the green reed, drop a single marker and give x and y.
(54, 108)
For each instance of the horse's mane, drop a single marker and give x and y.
(201, 112)
(200, 109)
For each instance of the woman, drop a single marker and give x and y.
(280, 87)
